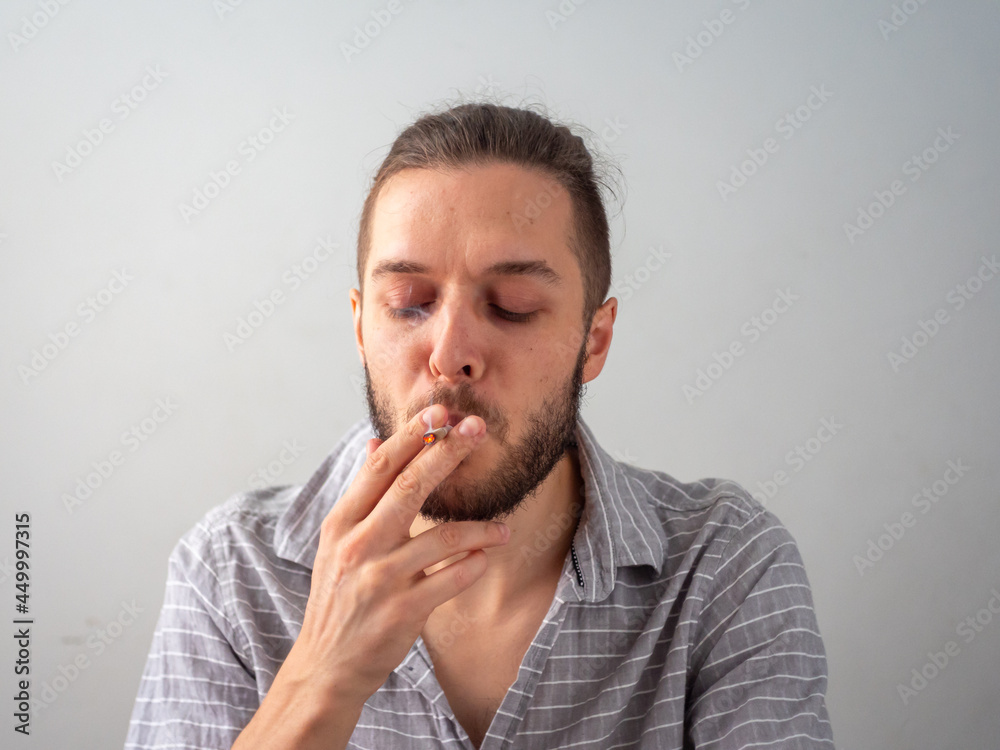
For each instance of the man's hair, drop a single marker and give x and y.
(480, 134)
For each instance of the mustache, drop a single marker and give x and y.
(463, 400)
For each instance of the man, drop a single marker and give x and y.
(510, 585)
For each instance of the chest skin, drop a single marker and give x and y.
(476, 663)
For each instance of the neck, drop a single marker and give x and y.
(530, 563)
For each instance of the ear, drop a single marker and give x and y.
(355, 296)
(599, 339)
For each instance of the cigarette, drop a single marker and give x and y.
(432, 436)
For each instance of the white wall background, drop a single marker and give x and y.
(679, 129)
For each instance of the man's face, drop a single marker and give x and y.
(471, 304)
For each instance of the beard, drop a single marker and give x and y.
(549, 432)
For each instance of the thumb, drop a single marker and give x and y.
(372, 446)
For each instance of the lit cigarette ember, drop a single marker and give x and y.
(432, 436)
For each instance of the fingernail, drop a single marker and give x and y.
(469, 428)
(435, 416)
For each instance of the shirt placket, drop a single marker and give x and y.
(417, 669)
(511, 713)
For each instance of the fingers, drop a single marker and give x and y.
(383, 464)
(449, 582)
(445, 540)
(395, 512)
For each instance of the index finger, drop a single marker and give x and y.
(400, 504)
(382, 466)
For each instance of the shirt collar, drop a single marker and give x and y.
(618, 526)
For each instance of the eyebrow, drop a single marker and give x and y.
(538, 269)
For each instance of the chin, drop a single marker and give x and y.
(468, 470)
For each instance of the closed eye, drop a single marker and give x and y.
(513, 317)
(418, 311)
(408, 313)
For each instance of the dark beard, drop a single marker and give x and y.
(550, 432)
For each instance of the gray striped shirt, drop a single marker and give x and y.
(683, 619)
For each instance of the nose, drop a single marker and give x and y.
(457, 343)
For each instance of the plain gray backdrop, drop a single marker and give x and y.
(841, 155)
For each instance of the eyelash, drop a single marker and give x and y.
(408, 313)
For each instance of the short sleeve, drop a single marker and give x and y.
(760, 666)
(197, 690)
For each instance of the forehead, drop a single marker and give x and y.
(473, 218)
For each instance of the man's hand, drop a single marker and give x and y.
(370, 598)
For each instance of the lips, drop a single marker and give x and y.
(454, 417)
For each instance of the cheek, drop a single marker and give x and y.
(387, 350)
(394, 364)
(532, 373)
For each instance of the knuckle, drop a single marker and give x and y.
(330, 527)
(409, 481)
(461, 577)
(467, 572)
(377, 462)
(351, 552)
(372, 577)
(449, 536)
